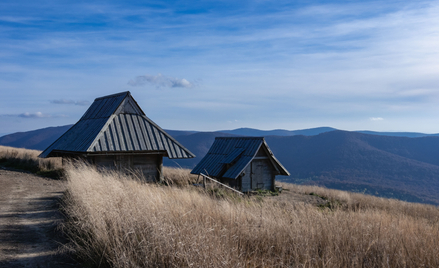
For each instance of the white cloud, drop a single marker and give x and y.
(15, 19)
(376, 119)
(160, 81)
(64, 101)
(82, 103)
(33, 115)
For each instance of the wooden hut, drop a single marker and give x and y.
(115, 133)
(244, 163)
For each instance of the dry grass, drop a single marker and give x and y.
(355, 201)
(178, 176)
(27, 160)
(120, 222)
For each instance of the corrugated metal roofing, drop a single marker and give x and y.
(233, 155)
(116, 123)
(104, 107)
(237, 151)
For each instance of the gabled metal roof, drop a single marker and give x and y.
(116, 124)
(229, 156)
(233, 155)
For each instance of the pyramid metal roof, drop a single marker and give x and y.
(116, 124)
(229, 156)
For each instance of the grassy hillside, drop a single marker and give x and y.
(115, 221)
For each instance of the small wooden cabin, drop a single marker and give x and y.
(115, 133)
(244, 163)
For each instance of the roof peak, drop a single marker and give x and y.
(114, 95)
(241, 137)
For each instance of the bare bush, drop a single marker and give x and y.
(357, 201)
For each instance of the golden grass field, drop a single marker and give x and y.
(113, 220)
(117, 221)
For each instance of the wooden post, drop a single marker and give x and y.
(207, 177)
(160, 167)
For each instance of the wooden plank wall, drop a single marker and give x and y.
(148, 166)
(246, 180)
(262, 174)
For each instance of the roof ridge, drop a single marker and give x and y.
(113, 95)
(101, 132)
(242, 137)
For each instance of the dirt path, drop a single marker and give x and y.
(28, 218)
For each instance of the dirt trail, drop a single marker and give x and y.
(28, 217)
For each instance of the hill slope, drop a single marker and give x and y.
(399, 167)
(38, 139)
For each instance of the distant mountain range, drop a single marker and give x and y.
(306, 132)
(277, 132)
(38, 139)
(41, 138)
(397, 165)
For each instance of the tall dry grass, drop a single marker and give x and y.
(178, 177)
(356, 201)
(120, 222)
(27, 160)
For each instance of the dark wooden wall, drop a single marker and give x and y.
(150, 166)
(259, 174)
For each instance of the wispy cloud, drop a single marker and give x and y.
(34, 115)
(14, 19)
(64, 101)
(160, 81)
(376, 119)
(82, 103)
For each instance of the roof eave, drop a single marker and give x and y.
(59, 153)
(189, 153)
(279, 167)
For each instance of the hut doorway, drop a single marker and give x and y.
(261, 174)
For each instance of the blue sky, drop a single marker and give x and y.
(211, 65)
